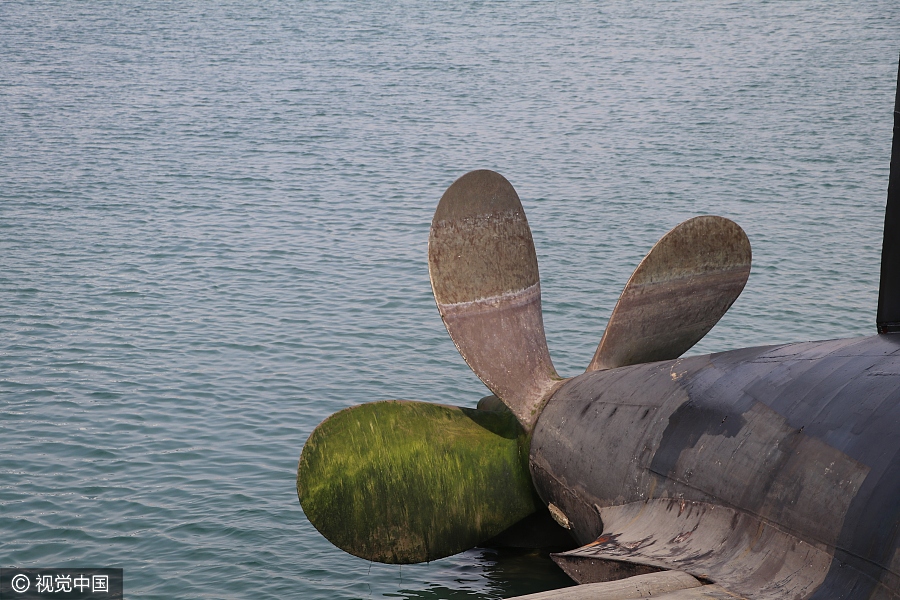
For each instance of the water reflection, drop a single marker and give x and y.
(504, 572)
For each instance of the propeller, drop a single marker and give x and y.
(406, 482)
(484, 274)
(681, 289)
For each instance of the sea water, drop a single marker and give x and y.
(214, 219)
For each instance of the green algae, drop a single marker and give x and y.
(408, 482)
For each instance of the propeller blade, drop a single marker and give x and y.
(484, 274)
(407, 482)
(681, 289)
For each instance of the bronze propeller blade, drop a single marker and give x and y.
(484, 274)
(681, 289)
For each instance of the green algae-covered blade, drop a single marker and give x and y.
(681, 289)
(408, 482)
(484, 274)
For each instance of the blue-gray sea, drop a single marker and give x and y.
(214, 219)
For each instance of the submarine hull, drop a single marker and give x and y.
(775, 469)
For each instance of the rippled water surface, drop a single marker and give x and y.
(213, 229)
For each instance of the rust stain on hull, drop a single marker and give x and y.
(732, 548)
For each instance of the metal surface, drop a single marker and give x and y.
(654, 585)
(585, 568)
(888, 319)
(484, 274)
(618, 591)
(774, 472)
(745, 553)
(406, 482)
(681, 289)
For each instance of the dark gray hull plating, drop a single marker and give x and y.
(802, 439)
